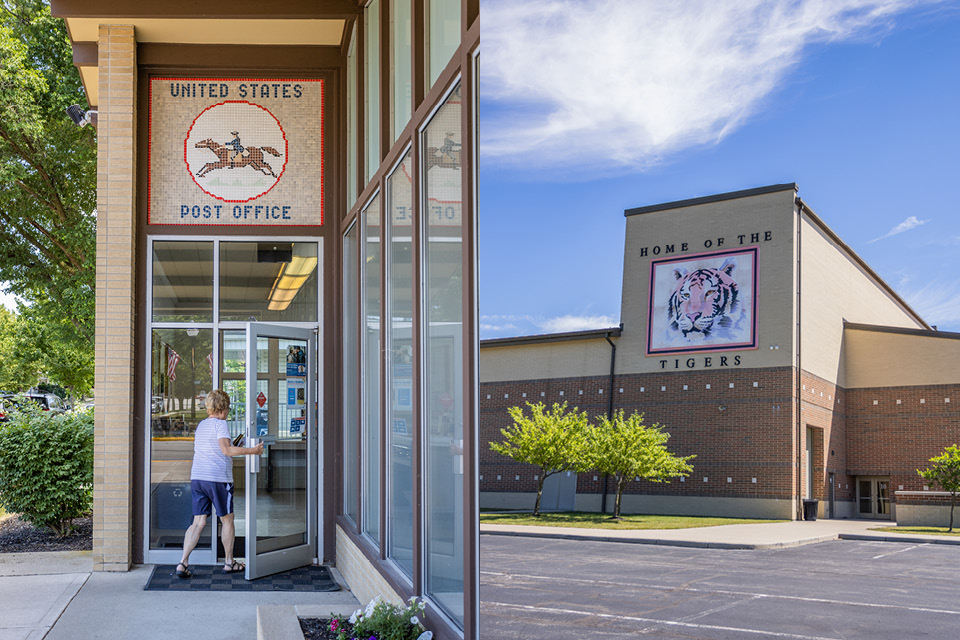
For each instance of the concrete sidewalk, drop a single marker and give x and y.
(56, 595)
(772, 535)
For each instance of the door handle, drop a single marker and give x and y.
(253, 460)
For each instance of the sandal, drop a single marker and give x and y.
(235, 567)
(185, 573)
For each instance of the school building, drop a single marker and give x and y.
(766, 347)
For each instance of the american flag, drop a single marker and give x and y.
(172, 359)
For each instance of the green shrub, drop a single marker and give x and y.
(46, 467)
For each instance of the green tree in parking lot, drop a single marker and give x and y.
(946, 473)
(554, 440)
(626, 448)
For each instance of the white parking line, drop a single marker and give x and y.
(654, 621)
(893, 553)
(621, 585)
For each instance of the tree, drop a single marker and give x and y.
(946, 473)
(47, 171)
(553, 440)
(18, 368)
(627, 448)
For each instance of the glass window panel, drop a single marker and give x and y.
(268, 281)
(181, 376)
(401, 60)
(400, 372)
(371, 370)
(352, 107)
(372, 86)
(443, 35)
(443, 346)
(182, 281)
(351, 392)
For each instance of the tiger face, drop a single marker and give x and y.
(704, 301)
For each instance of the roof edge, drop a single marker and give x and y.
(924, 333)
(731, 195)
(590, 334)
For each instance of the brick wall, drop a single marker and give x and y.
(751, 437)
(857, 432)
(364, 579)
(893, 431)
(113, 512)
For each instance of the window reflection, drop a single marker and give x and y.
(443, 380)
(400, 373)
(181, 376)
(182, 281)
(371, 372)
(268, 281)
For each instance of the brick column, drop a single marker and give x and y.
(113, 516)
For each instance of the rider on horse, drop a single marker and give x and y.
(236, 146)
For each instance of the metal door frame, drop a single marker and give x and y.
(272, 562)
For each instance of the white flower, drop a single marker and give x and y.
(356, 614)
(372, 605)
(421, 605)
(414, 620)
(412, 600)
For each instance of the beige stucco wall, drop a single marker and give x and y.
(877, 359)
(575, 358)
(834, 288)
(696, 225)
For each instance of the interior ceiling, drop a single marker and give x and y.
(243, 31)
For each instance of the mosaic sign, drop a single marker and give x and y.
(246, 152)
(703, 302)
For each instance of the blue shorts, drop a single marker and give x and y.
(219, 493)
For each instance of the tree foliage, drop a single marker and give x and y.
(626, 448)
(945, 472)
(554, 440)
(18, 368)
(47, 173)
(46, 467)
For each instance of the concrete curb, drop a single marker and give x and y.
(900, 537)
(280, 622)
(666, 541)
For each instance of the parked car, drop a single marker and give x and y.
(46, 401)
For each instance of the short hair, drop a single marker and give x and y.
(217, 401)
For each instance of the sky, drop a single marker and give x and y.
(591, 107)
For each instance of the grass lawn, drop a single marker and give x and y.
(927, 531)
(587, 520)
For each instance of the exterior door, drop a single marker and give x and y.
(873, 498)
(281, 485)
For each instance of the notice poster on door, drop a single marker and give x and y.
(297, 425)
(296, 391)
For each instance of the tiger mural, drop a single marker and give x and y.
(705, 303)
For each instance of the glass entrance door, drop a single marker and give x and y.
(873, 498)
(281, 513)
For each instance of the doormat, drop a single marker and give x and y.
(212, 578)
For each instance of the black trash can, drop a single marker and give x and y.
(810, 509)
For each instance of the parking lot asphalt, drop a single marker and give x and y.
(837, 590)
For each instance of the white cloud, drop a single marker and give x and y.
(615, 83)
(910, 223)
(576, 323)
(938, 304)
